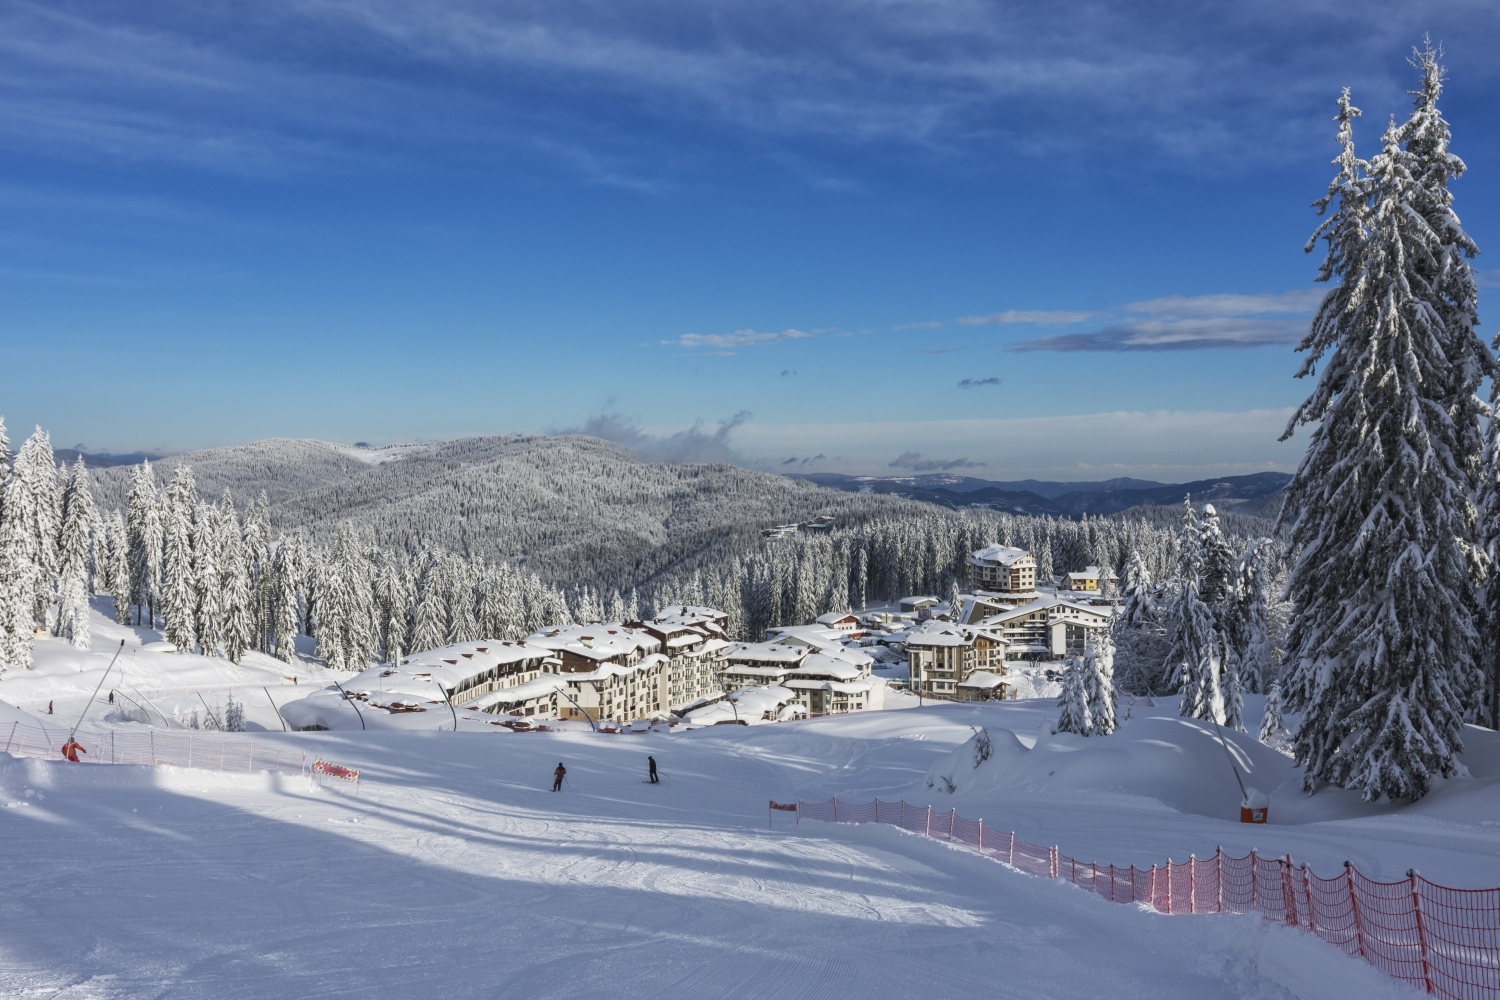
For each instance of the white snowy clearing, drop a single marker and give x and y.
(455, 871)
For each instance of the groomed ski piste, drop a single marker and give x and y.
(454, 870)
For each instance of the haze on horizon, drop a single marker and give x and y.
(1048, 240)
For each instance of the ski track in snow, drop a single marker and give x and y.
(456, 872)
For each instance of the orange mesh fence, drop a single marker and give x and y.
(1441, 940)
(193, 748)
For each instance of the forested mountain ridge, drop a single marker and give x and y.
(589, 506)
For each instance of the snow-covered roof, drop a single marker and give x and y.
(600, 641)
(834, 617)
(539, 688)
(983, 679)
(1090, 573)
(822, 665)
(450, 666)
(843, 687)
(941, 633)
(763, 652)
(1060, 607)
(922, 601)
(999, 555)
(604, 671)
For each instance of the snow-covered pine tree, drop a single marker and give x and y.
(17, 578)
(75, 547)
(117, 551)
(239, 608)
(1045, 574)
(1272, 724)
(234, 714)
(208, 583)
(1233, 691)
(1139, 609)
(1249, 623)
(430, 617)
(1099, 684)
(1074, 716)
(286, 574)
(1196, 655)
(39, 509)
(146, 536)
(1382, 647)
(179, 584)
(1215, 560)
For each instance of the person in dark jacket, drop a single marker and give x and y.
(557, 777)
(651, 765)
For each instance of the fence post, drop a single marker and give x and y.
(835, 808)
(1416, 907)
(1192, 883)
(927, 829)
(1011, 859)
(877, 809)
(11, 737)
(980, 843)
(1254, 892)
(1219, 874)
(952, 821)
(1052, 861)
(1359, 930)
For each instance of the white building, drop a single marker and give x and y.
(942, 655)
(1003, 569)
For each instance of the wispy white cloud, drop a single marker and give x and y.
(930, 324)
(739, 338)
(914, 461)
(275, 83)
(1028, 317)
(1192, 323)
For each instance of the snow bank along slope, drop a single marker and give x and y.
(455, 872)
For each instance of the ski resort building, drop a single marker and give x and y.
(824, 677)
(941, 656)
(461, 673)
(1091, 579)
(610, 671)
(1003, 569)
(689, 637)
(1047, 628)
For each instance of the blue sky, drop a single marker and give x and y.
(1056, 239)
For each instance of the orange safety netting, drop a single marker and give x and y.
(1441, 940)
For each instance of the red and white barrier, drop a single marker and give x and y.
(191, 748)
(1441, 940)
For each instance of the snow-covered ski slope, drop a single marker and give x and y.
(456, 872)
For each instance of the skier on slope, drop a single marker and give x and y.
(557, 777)
(651, 766)
(72, 749)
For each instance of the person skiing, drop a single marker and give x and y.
(651, 766)
(557, 777)
(49, 708)
(72, 749)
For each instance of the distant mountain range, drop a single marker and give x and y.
(103, 460)
(1254, 494)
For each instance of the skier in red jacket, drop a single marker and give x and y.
(72, 749)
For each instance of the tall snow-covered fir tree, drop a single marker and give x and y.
(17, 579)
(1383, 650)
(1074, 716)
(38, 506)
(1272, 724)
(75, 550)
(1099, 684)
(1249, 621)
(1140, 608)
(146, 535)
(1196, 654)
(178, 588)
